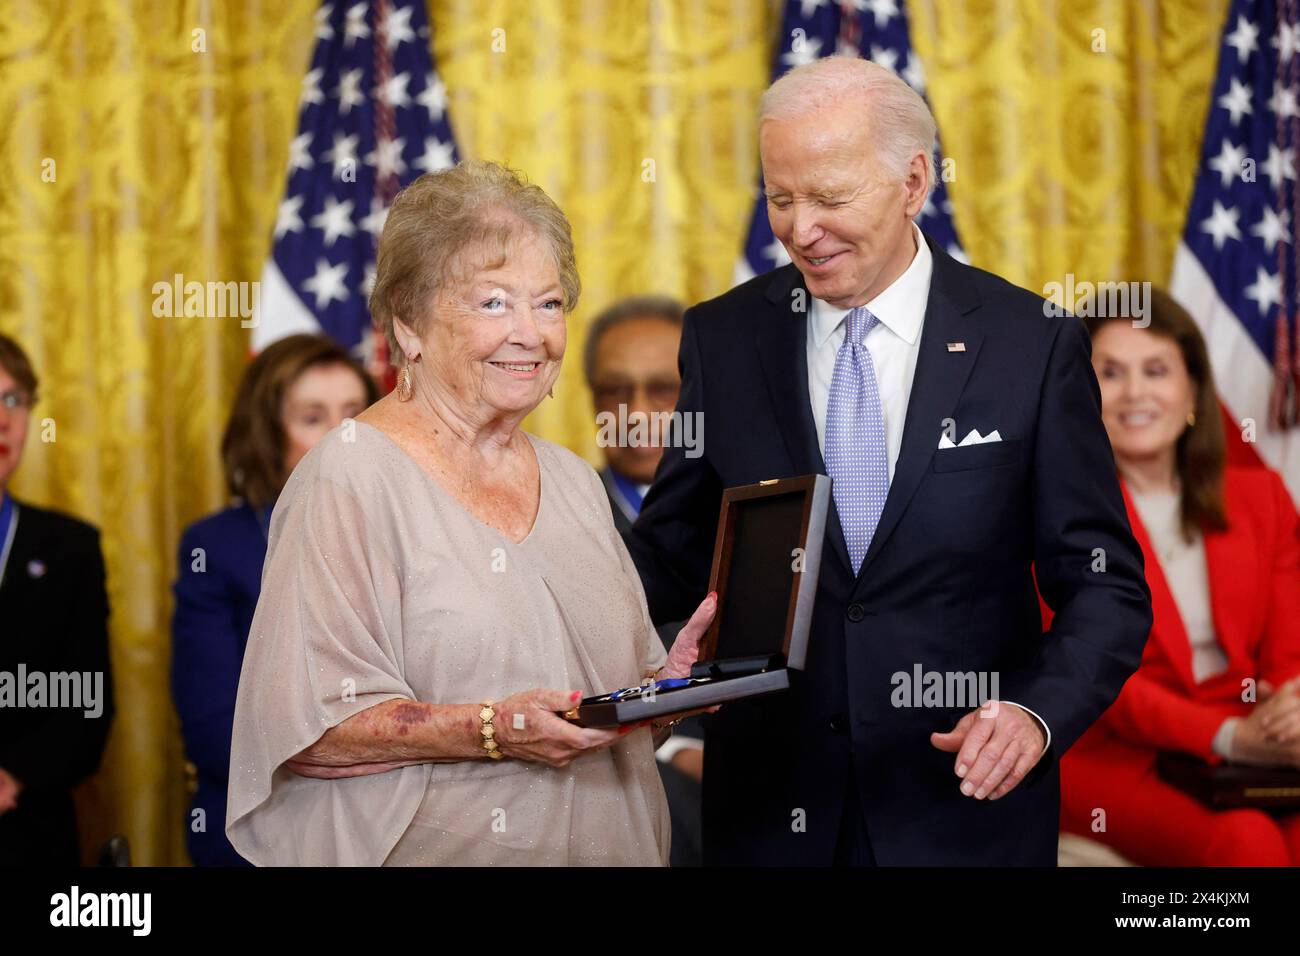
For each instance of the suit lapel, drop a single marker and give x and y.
(782, 348)
(937, 384)
(622, 510)
(1232, 575)
(10, 544)
(783, 351)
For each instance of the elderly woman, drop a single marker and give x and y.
(1222, 550)
(440, 584)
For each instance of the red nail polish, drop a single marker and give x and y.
(575, 696)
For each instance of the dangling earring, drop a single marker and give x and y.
(550, 392)
(405, 383)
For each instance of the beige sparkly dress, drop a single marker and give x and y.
(379, 585)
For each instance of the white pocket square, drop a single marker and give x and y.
(973, 437)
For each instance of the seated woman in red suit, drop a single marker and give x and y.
(1219, 674)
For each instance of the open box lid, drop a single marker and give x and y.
(766, 561)
(765, 566)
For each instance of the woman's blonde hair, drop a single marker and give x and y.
(435, 220)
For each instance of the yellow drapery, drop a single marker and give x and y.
(638, 117)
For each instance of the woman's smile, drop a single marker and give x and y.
(523, 370)
(1138, 419)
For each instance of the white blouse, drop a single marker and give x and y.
(1187, 574)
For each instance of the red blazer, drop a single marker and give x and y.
(1254, 576)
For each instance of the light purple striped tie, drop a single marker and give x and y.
(857, 458)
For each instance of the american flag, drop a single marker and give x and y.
(876, 30)
(373, 117)
(1235, 269)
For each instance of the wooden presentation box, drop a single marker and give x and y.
(765, 566)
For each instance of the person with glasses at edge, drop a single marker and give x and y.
(54, 609)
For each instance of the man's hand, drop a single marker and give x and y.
(690, 761)
(995, 746)
(9, 790)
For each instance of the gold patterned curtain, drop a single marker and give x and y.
(1075, 126)
(133, 148)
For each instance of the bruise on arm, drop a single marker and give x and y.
(392, 734)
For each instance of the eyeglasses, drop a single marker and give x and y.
(660, 394)
(14, 400)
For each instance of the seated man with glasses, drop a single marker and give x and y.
(630, 361)
(631, 366)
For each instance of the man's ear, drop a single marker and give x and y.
(917, 185)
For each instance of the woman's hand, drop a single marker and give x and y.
(685, 652)
(1253, 745)
(686, 648)
(1279, 711)
(542, 736)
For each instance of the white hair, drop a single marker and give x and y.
(901, 121)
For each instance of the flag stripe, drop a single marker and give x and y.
(1231, 270)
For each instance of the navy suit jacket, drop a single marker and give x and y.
(53, 619)
(214, 610)
(947, 584)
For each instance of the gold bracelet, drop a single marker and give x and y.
(488, 732)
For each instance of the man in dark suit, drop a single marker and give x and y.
(960, 424)
(56, 690)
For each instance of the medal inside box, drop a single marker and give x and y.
(766, 561)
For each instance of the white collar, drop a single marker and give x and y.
(900, 307)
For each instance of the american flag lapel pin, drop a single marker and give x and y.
(956, 346)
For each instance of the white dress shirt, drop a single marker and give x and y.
(1188, 577)
(894, 344)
